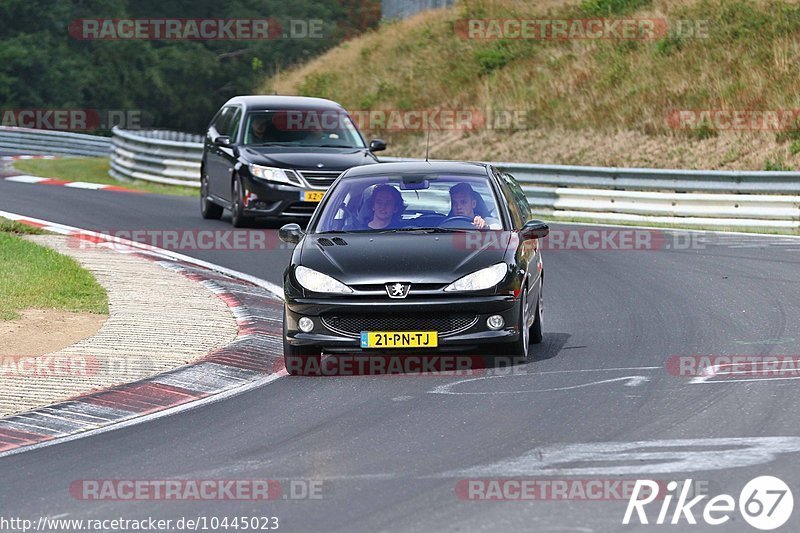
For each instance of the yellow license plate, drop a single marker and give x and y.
(313, 196)
(399, 339)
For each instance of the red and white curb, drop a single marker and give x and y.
(253, 359)
(25, 178)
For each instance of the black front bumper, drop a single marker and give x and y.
(336, 341)
(273, 200)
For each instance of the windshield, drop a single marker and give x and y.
(434, 202)
(320, 129)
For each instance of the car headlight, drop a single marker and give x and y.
(484, 278)
(319, 282)
(274, 174)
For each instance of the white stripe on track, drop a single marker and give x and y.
(23, 178)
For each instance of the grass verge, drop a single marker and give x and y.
(93, 170)
(608, 102)
(34, 276)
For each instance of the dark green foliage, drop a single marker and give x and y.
(175, 84)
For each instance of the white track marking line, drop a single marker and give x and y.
(26, 179)
(85, 185)
(632, 381)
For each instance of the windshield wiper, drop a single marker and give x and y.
(331, 146)
(426, 230)
(273, 144)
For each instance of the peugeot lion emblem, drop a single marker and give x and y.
(398, 290)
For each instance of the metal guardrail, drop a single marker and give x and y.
(735, 199)
(160, 156)
(25, 141)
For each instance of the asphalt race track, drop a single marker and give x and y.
(596, 402)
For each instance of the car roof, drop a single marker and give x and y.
(420, 167)
(284, 102)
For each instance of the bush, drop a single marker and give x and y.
(775, 166)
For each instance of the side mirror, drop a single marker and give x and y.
(291, 233)
(222, 140)
(534, 229)
(377, 145)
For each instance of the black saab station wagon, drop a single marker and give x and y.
(415, 256)
(275, 156)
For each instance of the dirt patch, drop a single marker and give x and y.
(42, 331)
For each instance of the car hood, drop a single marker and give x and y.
(309, 158)
(370, 258)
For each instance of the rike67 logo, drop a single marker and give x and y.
(766, 503)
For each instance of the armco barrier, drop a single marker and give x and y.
(25, 141)
(161, 156)
(735, 199)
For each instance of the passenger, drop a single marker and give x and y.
(465, 202)
(386, 205)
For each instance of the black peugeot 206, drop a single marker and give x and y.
(418, 256)
(272, 157)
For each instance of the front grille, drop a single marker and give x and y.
(353, 325)
(319, 178)
(414, 287)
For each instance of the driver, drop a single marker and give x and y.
(258, 129)
(463, 200)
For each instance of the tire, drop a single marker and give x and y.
(536, 334)
(299, 359)
(208, 209)
(238, 218)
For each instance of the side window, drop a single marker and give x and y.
(215, 120)
(519, 196)
(517, 218)
(223, 120)
(234, 127)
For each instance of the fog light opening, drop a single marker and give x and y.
(306, 324)
(495, 322)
